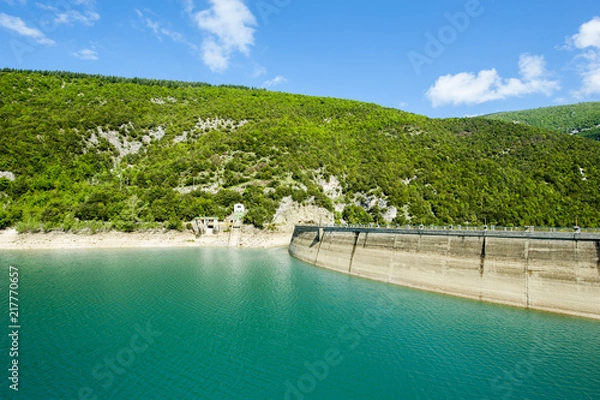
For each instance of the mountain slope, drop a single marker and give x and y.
(581, 119)
(88, 152)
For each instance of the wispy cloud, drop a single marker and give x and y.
(86, 54)
(162, 32)
(229, 26)
(278, 80)
(86, 18)
(259, 71)
(588, 40)
(188, 6)
(13, 2)
(487, 85)
(67, 16)
(17, 25)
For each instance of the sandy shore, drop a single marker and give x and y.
(246, 238)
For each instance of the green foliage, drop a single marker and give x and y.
(581, 119)
(261, 209)
(71, 175)
(356, 215)
(5, 220)
(258, 216)
(227, 198)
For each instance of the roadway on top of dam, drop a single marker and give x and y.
(516, 233)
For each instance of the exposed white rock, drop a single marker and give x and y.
(123, 146)
(8, 175)
(156, 134)
(218, 123)
(407, 181)
(412, 131)
(332, 188)
(407, 215)
(291, 213)
(369, 201)
(390, 214)
(208, 125)
(181, 138)
(213, 188)
(128, 127)
(93, 140)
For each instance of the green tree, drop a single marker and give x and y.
(356, 215)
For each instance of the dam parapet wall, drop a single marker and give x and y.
(549, 271)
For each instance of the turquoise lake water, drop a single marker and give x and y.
(258, 324)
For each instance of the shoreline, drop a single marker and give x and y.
(246, 238)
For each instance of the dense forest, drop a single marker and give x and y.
(89, 153)
(579, 119)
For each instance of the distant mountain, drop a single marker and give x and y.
(83, 153)
(581, 119)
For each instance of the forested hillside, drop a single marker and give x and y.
(84, 152)
(579, 119)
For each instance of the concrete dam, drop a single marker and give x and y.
(555, 272)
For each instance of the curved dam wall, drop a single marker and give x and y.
(542, 271)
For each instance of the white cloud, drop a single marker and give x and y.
(17, 25)
(532, 67)
(278, 80)
(86, 54)
(488, 85)
(229, 26)
(588, 36)
(590, 75)
(588, 40)
(591, 83)
(214, 55)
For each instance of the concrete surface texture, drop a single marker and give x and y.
(550, 272)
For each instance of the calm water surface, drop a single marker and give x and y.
(256, 324)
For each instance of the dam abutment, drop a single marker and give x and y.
(557, 272)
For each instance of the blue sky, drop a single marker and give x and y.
(438, 58)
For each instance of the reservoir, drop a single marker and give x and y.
(259, 324)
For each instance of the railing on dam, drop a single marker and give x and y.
(575, 233)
